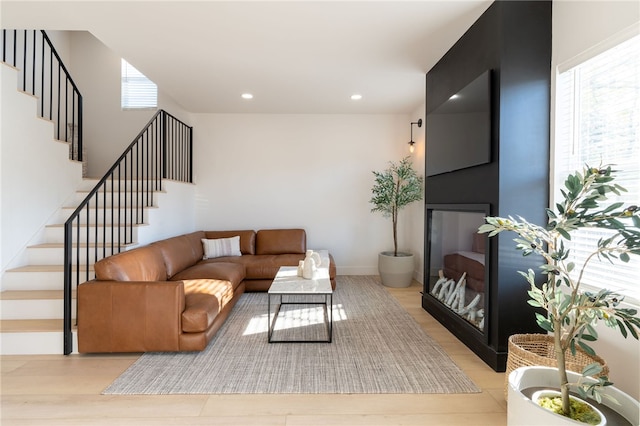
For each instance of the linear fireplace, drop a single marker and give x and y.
(456, 256)
(457, 259)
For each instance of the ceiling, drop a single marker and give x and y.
(293, 56)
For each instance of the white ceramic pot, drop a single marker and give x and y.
(395, 271)
(521, 410)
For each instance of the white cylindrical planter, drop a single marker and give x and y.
(522, 411)
(395, 271)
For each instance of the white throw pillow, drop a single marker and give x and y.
(220, 247)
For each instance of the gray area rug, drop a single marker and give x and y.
(377, 348)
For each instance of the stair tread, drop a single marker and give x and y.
(34, 325)
(32, 295)
(45, 268)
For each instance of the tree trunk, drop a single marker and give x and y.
(394, 218)
(562, 369)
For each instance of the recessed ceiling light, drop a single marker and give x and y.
(456, 96)
(247, 96)
(356, 97)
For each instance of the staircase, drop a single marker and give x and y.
(68, 232)
(31, 304)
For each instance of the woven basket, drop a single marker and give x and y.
(538, 349)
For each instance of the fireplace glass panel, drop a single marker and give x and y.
(457, 259)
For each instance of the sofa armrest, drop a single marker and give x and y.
(129, 316)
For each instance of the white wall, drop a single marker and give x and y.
(580, 26)
(108, 129)
(36, 173)
(258, 171)
(175, 215)
(411, 219)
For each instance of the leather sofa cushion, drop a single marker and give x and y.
(247, 239)
(200, 312)
(140, 264)
(260, 267)
(281, 241)
(200, 307)
(180, 252)
(195, 239)
(232, 272)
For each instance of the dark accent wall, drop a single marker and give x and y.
(513, 39)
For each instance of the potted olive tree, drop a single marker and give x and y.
(394, 188)
(571, 312)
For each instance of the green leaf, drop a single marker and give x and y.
(612, 207)
(586, 348)
(616, 224)
(592, 369)
(486, 228)
(544, 323)
(623, 330)
(631, 329)
(534, 303)
(564, 233)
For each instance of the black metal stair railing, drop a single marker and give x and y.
(105, 221)
(43, 75)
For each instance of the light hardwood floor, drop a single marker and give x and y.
(65, 390)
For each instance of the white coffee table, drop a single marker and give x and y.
(288, 283)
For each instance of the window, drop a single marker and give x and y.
(138, 92)
(598, 122)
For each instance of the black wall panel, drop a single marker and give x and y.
(513, 39)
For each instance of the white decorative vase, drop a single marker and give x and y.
(395, 271)
(521, 410)
(309, 265)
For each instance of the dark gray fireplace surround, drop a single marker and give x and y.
(512, 39)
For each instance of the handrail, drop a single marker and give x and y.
(104, 223)
(33, 53)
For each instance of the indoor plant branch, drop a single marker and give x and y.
(393, 189)
(572, 313)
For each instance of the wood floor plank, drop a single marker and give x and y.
(65, 390)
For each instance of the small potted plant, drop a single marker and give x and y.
(572, 313)
(394, 188)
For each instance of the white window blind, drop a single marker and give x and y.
(138, 92)
(598, 123)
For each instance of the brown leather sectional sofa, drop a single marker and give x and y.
(166, 297)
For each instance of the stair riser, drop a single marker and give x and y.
(122, 199)
(108, 216)
(55, 256)
(56, 235)
(33, 280)
(147, 185)
(33, 309)
(34, 343)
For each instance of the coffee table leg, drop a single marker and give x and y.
(272, 323)
(328, 316)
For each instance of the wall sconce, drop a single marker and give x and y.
(411, 142)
